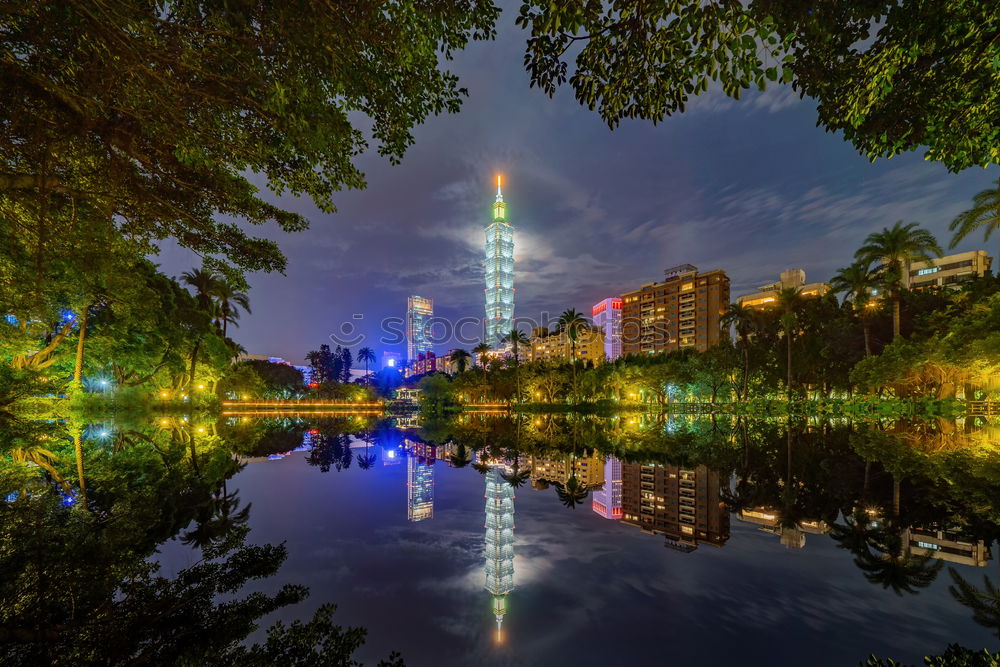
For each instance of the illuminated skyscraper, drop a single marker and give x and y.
(499, 543)
(419, 488)
(419, 311)
(608, 318)
(499, 273)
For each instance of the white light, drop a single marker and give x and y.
(391, 454)
(104, 434)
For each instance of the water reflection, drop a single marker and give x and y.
(899, 501)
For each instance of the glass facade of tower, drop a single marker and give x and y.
(499, 273)
(419, 311)
(419, 488)
(499, 542)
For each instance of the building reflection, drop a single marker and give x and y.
(792, 535)
(499, 543)
(607, 500)
(588, 470)
(948, 545)
(419, 480)
(682, 504)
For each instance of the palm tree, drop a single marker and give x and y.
(480, 351)
(461, 457)
(741, 318)
(901, 572)
(516, 339)
(894, 249)
(789, 302)
(572, 493)
(204, 284)
(857, 282)
(571, 323)
(516, 477)
(984, 603)
(367, 355)
(461, 359)
(984, 214)
(229, 300)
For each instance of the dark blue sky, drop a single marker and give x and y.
(751, 187)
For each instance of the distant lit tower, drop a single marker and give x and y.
(419, 488)
(419, 311)
(499, 543)
(607, 501)
(499, 273)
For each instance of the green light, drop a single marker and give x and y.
(499, 211)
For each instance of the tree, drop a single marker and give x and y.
(984, 603)
(205, 284)
(212, 93)
(228, 301)
(573, 492)
(789, 302)
(741, 318)
(481, 351)
(345, 365)
(890, 77)
(857, 282)
(366, 355)
(461, 359)
(570, 324)
(984, 214)
(894, 249)
(516, 339)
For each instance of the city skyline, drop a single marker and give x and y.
(753, 187)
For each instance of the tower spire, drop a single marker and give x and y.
(499, 194)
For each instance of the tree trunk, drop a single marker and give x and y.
(746, 370)
(194, 359)
(868, 336)
(788, 381)
(895, 314)
(78, 366)
(78, 447)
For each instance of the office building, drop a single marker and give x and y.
(419, 486)
(607, 316)
(425, 362)
(682, 504)
(557, 346)
(948, 545)
(766, 296)
(419, 311)
(791, 535)
(607, 500)
(499, 273)
(950, 270)
(683, 311)
(499, 543)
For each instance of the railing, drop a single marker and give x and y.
(982, 408)
(302, 404)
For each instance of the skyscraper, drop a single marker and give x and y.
(419, 311)
(499, 543)
(608, 318)
(499, 273)
(419, 487)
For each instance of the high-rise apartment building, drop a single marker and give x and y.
(607, 316)
(685, 310)
(682, 504)
(588, 470)
(499, 273)
(766, 296)
(589, 345)
(419, 311)
(607, 500)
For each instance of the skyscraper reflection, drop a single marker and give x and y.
(419, 482)
(499, 543)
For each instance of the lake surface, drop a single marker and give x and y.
(629, 540)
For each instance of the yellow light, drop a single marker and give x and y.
(201, 386)
(163, 422)
(201, 430)
(163, 394)
(499, 180)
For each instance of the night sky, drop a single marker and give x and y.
(752, 187)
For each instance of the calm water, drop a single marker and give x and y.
(821, 544)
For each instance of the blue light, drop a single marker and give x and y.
(10, 319)
(68, 500)
(11, 497)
